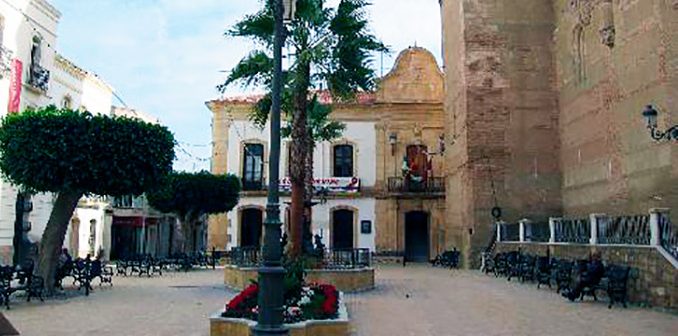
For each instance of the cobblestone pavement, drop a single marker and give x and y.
(416, 300)
(420, 300)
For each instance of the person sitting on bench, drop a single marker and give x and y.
(590, 277)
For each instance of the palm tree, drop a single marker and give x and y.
(331, 47)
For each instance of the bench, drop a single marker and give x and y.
(21, 279)
(447, 259)
(614, 283)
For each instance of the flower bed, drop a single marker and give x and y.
(312, 302)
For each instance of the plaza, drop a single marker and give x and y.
(435, 301)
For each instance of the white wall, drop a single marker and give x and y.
(361, 134)
(18, 37)
(97, 96)
(321, 218)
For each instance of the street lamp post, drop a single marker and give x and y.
(271, 272)
(650, 114)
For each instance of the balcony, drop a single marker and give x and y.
(39, 78)
(432, 185)
(5, 62)
(249, 185)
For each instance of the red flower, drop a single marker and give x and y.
(250, 292)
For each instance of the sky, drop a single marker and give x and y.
(165, 57)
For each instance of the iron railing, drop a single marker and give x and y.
(347, 258)
(538, 232)
(403, 185)
(332, 258)
(668, 236)
(510, 232)
(249, 185)
(573, 231)
(633, 230)
(39, 78)
(245, 256)
(5, 62)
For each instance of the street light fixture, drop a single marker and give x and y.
(650, 114)
(393, 140)
(271, 273)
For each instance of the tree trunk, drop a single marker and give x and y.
(309, 191)
(187, 225)
(299, 152)
(54, 235)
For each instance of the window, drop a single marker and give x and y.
(67, 102)
(253, 167)
(343, 161)
(92, 235)
(124, 201)
(36, 53)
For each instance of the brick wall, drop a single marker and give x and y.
(653, 280)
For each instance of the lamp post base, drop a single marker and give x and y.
(270, 322)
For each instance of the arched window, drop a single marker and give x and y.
(67, 102)
(36, 51)
(253, 167)
(343, 161)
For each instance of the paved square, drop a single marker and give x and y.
(415, 300)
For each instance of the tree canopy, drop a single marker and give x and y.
(58, 150)
(191, 195)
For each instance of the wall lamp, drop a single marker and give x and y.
(393, 140)
(650, 114)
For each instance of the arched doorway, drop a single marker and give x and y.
(251, 221)
(342, 229)
(417, 236)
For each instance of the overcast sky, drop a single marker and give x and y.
(165, 57)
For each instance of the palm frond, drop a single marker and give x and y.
(259, 26)
(256, 69)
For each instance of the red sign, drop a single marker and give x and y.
(15, 87)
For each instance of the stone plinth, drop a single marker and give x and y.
(222, 326)
(346, 280)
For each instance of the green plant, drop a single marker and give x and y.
(192, 195)
(72, 153)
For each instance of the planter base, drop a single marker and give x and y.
(222, 326)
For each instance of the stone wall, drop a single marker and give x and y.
(502, 106)
(653, 280)
(609, 162)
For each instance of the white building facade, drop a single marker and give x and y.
(346, 167)
(28, 40)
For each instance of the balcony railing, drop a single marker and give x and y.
(402, 185)
(5, 62)
(248, 185)
(39, 78)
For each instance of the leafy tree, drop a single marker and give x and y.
(332, 48)
(193, 195)
(71, 154)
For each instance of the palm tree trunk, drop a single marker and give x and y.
(307, 237)
(299, 152)
(54, 235)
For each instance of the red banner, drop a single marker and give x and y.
(15, 87)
